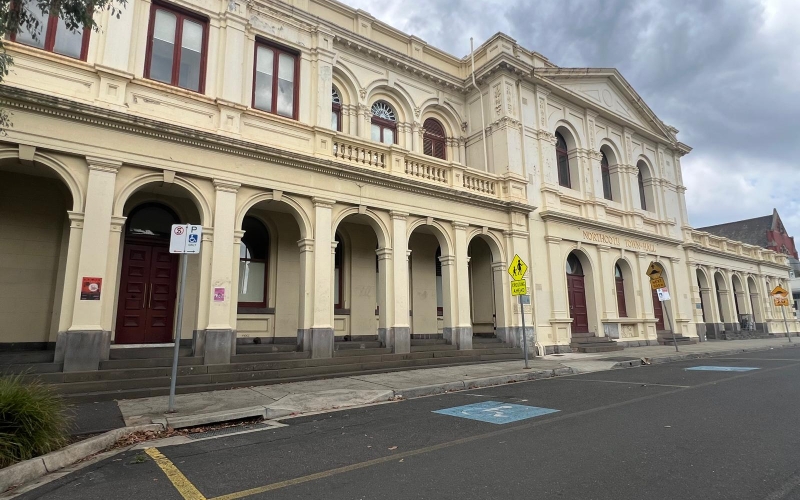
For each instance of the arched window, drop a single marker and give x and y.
(606, 175)
(384, 123)
(253, 255)
(151, 220)
(562, 160)
(642, 197)
(433, 140)
(336, 110)
(574, 265)
(338, 274)
(620, 283)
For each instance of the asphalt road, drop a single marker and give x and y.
(655, 432)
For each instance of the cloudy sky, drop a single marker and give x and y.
(726, 73)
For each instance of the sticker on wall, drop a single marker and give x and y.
(219, 294)
(90, 288)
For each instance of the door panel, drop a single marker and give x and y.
(132, 305)
(658, 310)
(161, 297)
(146, 303)
(622, 309)
(577, 303)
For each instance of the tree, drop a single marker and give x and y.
(17, 16)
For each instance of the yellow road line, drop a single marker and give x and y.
(179, 481)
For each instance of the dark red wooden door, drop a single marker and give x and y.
(658, 310)
(146, 294)
(621, 307)
(577, 303)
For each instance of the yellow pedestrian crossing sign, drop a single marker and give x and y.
(777, 291)
(655, 270)
(517, 268)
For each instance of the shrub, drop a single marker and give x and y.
(33, 420)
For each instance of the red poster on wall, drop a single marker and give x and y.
(90, 288)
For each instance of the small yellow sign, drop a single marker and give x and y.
(655, 270)
(779, 291)
(658, 282)
(781, 301)
(519, 287)
(517, 268)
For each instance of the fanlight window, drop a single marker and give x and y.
(384, 123)
(574, 265)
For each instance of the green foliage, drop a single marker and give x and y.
(33, 420)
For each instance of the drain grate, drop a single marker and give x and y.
(230, 430)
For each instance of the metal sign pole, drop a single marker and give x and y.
(174, 379)
(524, 333)
(671, 327)
(786, 323)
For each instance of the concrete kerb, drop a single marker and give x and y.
(37, 467)
(696, 355)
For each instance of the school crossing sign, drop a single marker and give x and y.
(517, 270)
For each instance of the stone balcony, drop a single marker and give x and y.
(703, 240)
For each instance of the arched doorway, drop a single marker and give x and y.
(146, 306)
(428, 282)
(755, 304)
(658, 312)
(725, 314)
(576, 292)
(483, 309)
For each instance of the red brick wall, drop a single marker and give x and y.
(782, 240)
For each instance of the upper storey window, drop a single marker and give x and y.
(275, 80)
(562, 160)
(176, 50)
(53, 35)
(336, 110)
(434, 139)
(384, 123)
(642, 197)
(606, 175)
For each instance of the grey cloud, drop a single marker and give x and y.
(712, 68)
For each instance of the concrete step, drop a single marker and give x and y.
(122, 364)
(147, 352)
(416, 342)
(31, 368)
(484, 340)
(433, 347)
(26, 357)
(610, 347)
(590, 340)
(356, 344)
(351, 351)
(490, 345)
(274, 356)
(264, 348)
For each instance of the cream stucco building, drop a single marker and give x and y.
(351, 183)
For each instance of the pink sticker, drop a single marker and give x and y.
(219, 295)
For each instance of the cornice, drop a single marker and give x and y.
(17, 98)
(742, 258)
(574, 220)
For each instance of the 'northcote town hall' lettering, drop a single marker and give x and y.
(617, 241)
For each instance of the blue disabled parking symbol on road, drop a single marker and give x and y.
(722, 368)
(494, 412)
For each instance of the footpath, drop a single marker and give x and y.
(118, 420)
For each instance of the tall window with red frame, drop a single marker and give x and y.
(605, 173)
(275, 80)
(336, 110)
(434, 139)
(53, 34)
(562, 160)
(176, 48)
(338, 273)
(253, 264)
(619, 280)
(384, 123)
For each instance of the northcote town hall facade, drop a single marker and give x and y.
(351, 183)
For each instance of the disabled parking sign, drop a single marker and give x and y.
(494, 412)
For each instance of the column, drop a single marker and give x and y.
(558, 276)
(204, 300)
(320, 335)
(460, 334)
(608, 284)
(220, 333)
(322, 56)
(70, 281)
(86, 343)
(731, 321)
(306, 309)
(399, 335)
(646, 311)
(449, 294)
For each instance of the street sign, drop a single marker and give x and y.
(519, 287)
(185, 238)
(663, 293)
(780, 301)
(517, 268)
(780, 291)
(657, 283)
(654, 270)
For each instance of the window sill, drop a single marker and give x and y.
(45, 54)
(255, 310)
(341, 312)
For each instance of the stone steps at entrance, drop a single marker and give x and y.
(110, 384)
(353, 351)
(147, 352)
(421, 342)
(665, 338)
(346, 345)
(264, 348)
(433, 347)
(589, 343)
